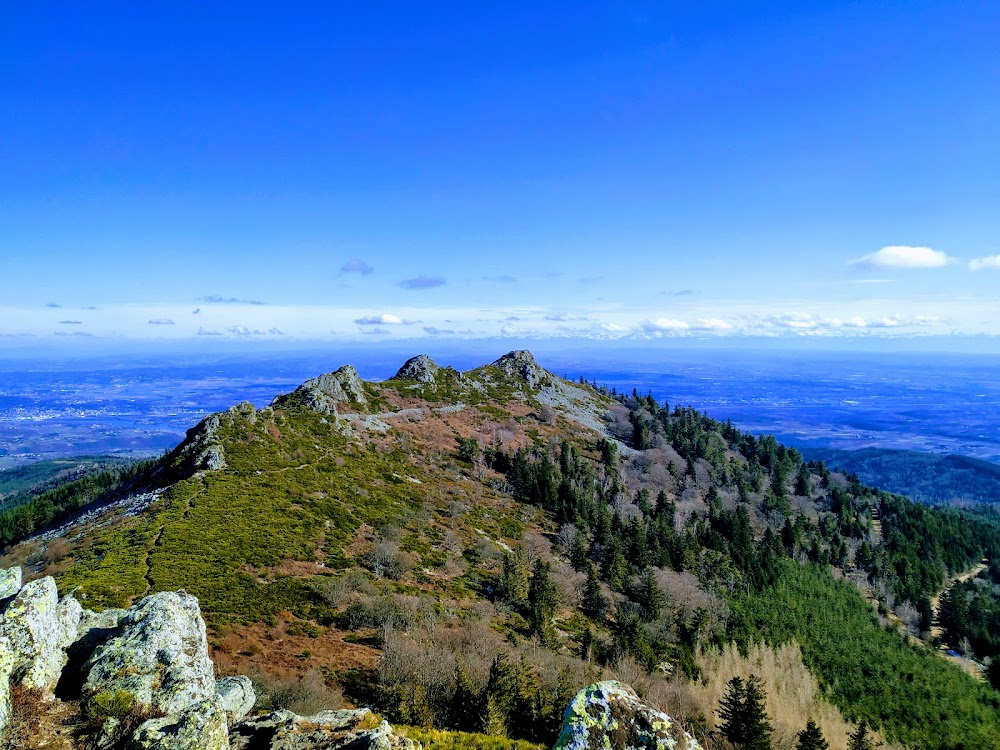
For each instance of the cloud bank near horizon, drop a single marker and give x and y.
(597, 322)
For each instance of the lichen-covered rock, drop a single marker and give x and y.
(201, 448)
(97, 627)
(159, 655)
(39, 628)
(200, 726)
(10, 582)
(6, 669)
(236, 696)
(329, 730)
(421, 368)
(610, 716)
(324, 393)
(521, 365)
(69, 612)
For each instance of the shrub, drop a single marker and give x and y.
(125, 714)
(25, 716)
(306, 695)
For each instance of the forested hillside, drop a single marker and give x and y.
(465, 550)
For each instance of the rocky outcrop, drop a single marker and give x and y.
(330, 730)
(10, 582)
(421, 368)
(610, 716)
(39, 627)
(201, 449)
(153, 658)
(324, 393)
(235, 696)
(200, 726)
(159, 655)
(6, 672)
(520, 365)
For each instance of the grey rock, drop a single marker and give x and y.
(200, 726)
(159, 655)
(521, 365)
(201, 449)
(325, 392)
(6, 670)
(609, 716)
(106, 622)
(94, 629)
(10, 582)
(236, 696)
(421, 368)
(69, 612)
(38, 628)
(329, 730)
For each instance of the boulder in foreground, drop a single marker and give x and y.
(610, 716)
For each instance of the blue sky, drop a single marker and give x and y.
(382, 171)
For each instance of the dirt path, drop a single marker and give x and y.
(958, 578)
(936, 632)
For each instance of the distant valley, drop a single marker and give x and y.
(927, 477)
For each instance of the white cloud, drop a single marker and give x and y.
(565, 317)
(712, 324)
(664, 325)
(989, 263)
(904, 256)
(385, 319)
(796, 321)
(884, 322)
(844, 318)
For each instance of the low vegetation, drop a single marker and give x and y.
(467, 567)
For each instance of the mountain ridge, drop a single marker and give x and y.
(349, 519)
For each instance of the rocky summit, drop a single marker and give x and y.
(145, 680)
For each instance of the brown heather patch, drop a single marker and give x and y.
(302, 568)
(284, 655)
(37, 724)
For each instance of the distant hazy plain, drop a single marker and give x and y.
(928, 402)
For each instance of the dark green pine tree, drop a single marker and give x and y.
(803, 481)
(593, 602)
(513, 584)
(615, 566)
(953, 614)
(649, 596)
(744, 718)
(543, 598)
(578, 552)
(731, 710)
(811, 738)
(466, 709)
(859, 740)
(993, 673)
